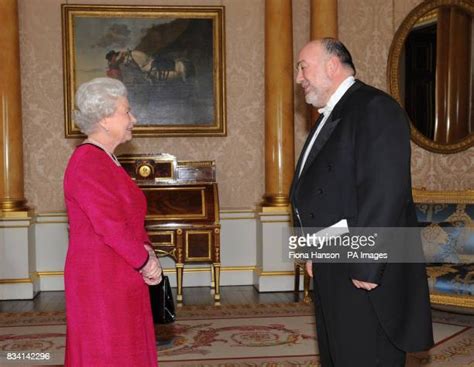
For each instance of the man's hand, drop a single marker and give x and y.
(309, 268)
(364, 285)
(357, 283)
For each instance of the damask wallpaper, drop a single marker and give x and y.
(367, 27)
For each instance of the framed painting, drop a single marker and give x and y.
(171, 59)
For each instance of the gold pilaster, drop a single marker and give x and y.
(279, 125)
(323, 23)
(12, 201)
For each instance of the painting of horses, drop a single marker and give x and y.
(171, 59)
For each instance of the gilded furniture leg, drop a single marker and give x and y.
(213, 277)
(179, 278)
(297, 276)
(306, 280)
(217, 275)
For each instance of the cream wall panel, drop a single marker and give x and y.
(238, 240)
(202, 278)
(51, 282)
(14, 258)
(32, 258)
(274, 269)
(238, 250)
(275, 283)
(17, 291)
(194, 276)
(17, 261)
(272, 243)
(51, 244)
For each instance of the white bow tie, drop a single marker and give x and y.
(326, 110)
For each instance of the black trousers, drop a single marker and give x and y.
(349, 333)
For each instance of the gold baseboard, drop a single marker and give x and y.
(451, 300)
(275, 210)
(260, 272)
(16, 215)
(49, 273)
(423, 196)
(16, 281)
(33, 278)
(166, 270)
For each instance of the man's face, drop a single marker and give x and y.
(312, 75)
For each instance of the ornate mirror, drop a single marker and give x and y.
(431, 73)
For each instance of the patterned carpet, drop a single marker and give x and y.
(274, 335)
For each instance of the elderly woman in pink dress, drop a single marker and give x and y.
(109, 260)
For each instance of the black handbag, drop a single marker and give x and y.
(162, 304)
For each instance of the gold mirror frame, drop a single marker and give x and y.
(393, 71)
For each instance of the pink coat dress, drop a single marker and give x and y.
(109, 320)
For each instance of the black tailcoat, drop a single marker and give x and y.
(359, 169)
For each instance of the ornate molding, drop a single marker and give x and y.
(443, 197)
(452, 300)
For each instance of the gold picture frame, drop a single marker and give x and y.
(171, 58)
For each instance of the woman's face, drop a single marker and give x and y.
(121, 122)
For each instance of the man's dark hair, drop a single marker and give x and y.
(337, 48)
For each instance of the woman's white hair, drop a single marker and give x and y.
(95, 100)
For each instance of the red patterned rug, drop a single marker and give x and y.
(262, 335)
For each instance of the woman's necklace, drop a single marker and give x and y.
(96, 143)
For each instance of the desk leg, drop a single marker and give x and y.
(306, 281)
(297, 277)
(179, 280)
(213, 277)
(217, 277)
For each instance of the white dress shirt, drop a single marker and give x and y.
(326, 110)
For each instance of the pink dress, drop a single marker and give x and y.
(109, 320)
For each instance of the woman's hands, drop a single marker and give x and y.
(152, 271)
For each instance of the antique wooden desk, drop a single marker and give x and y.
(183, 210)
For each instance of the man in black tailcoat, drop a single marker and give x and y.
(355, 168)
